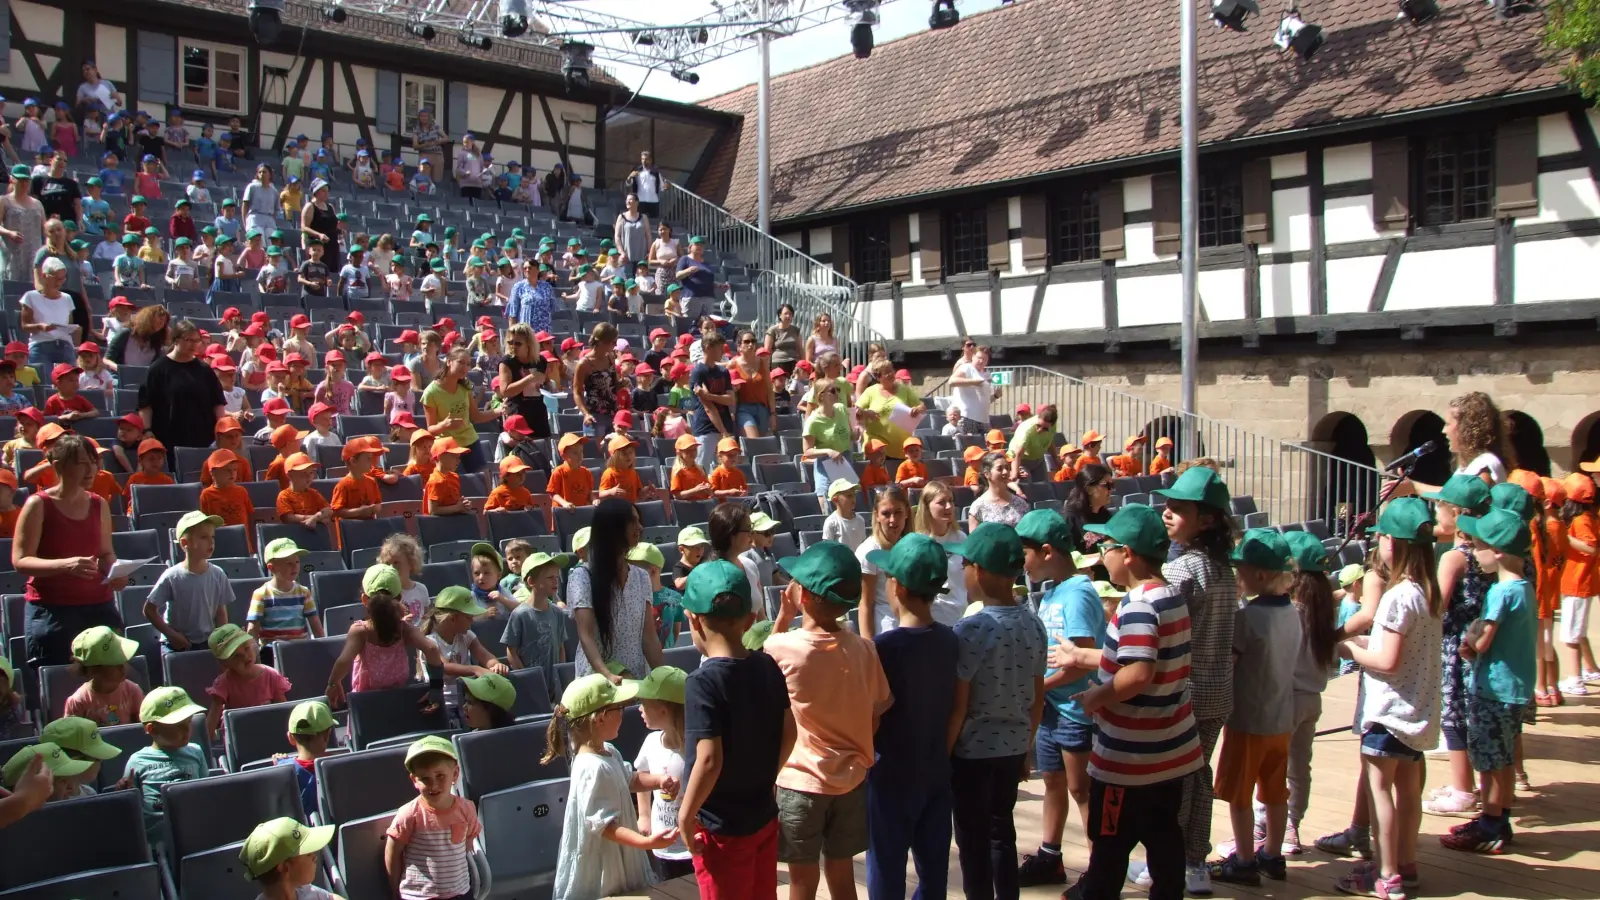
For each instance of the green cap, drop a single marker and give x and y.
(647, 553)
(1466, 491)
(137, 198)
(618, 279)
(21, 170)
(55, 759)
(493, 689)
(224, 239)
(168, 706)
(277, 234)
(761, 522)
(518, 233)
(1263, 548)
(182, 242)
(437, 264)
(226, 640)
(1307, 552)
(1351, 574)
(229, 202)
(831, 571)
(310, 717)
(209, 229)
(1407, 518)
(585, 269)
(692, 536)
(1200, 484)
(252, 233)
(449, 230)
(630, 284)
(430, 744)
(592, 693)
(580, 539)
(606, 243)
(182, 201)
(1513, 498)
(424, 217)
(194, 518)
(274, 251)
(755, 637)
(484, 548)
(664, 683)
(1046, 528)
(78, 735)
(274, 843)
(152, 231)
(1501, 529)
(710, 580)
(381, 579)
(475, 261)
(674, 287)
(100, 646)
(80, 244)
(1106, 590)
(539, 560)
(456, 598)
(94, 181)
(916, 561)
(991, 547)
(1137, 527)
(130, 239)
(697, 239)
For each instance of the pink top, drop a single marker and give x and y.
(378, 667)
(836, 689)
(435, 847)
(61, 537)
(240, 690)
(120, 707)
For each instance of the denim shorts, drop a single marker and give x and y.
(1057, 735)
(753, 414)
(1377, 741)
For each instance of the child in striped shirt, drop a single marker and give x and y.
(282, 609)
(430, 837)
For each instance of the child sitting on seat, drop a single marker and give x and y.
(450, 628)
(310, 731)
(109, 696)
(168, 715)
(510, 495)
(441, 496)
(244, 682)
(486, 702)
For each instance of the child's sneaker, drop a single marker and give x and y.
(1590, 676)
(1352, 841)
(1233, 870)
(1523, 784)
(1452, 803)
(1364, 882)
(1573, 687)
(1197, 880)
(1139, 875)
(1482, 837)
(1274, 867)
(1041, 868)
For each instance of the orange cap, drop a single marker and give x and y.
(298, 462)
(1070, 450)
(221, 459)
(620, 440)
(995, 439)
(1132, 439)
(8, 478)
(227, 424)
(876, 446)
(1554, 493)
(48, 433)
(512, 464)
(1528, 481)
(358, 446)
(569, 440)
(1580, 488)
(912, 442)
(151, 445)
(728, 445)
(973, 454)
(1163, 442)
(284, 435)
(686, 442)
(421, 434)
(1092, 437)
(447, 445)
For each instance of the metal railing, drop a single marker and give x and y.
(1288, 482)
(779, 273)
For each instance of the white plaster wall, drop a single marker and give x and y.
(1564, 195)
(366, 80)
(1149, 300)
(879, 316)
(1443, 278)
(1350, 283)
(914, 235)
(1291, 220)
(312, 98)
(1139, 244)
(1560, 269)
(1014, 246)
(1222, 294)
(929, 317)
(1347, 219)
(579, 132)
(1351, 162)
(1016, 304)
(821, 241)
(345, 135)
(1285, 289)
(1289, 165)
(1069, 307)
(41, 23)
(482, 104)
(110, 53)
(974, 306)
(1555, 136)
(21, 76)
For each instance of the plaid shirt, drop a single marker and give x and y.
(1213, 597)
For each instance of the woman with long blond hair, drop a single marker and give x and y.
(936, 518)
(891, 520)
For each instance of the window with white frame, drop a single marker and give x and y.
(419, 94)
(213, 76)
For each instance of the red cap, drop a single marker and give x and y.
(222, 362)
(32, 413)
(213, 350)
(357, 317)
(518, 425)
(544, 337)
(260, 316)
(375, 357)
(399, 373)
(267, 352)
(295, 359)
(762, 351)
(254, 329)
(678, 371)
(122, 302)
(300, 320)
(488, 334)
(16, 347)
(685, 340)
(230, 312)
(803, 365)
(902, 374)
(277, 406)
(623, 419)
(403, 420)
(318, 409)
(566, 345)
(548, 356)
(1024, 409)
(64, 369)
(410, 336)
(659, 332)
(331, 357)
(737, 379)
(445, 323)
(133, 420)
(485, 322)
(347, 328)
(778, 373)
(276, 366)
(643, 369)
(450, 339)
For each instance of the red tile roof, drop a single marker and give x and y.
(1043, 86)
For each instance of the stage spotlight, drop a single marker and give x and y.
(644, 39)
(513, 18)
(1230, 14)
(475, 40)
(1294, 34)
(334, 12)
(1418, 11)
(702, 37)
(266, 20)
(686, 77)
(575, 67)
(944, 15)
(420, 29)
(865, 14)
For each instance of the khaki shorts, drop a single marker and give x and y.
(1259, 761)
(832, 826)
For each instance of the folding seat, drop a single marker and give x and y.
(336, 587)
(255, 733)
(569, 519)
(208, 819)
(533, 692)
(50, 857)
(319, 538)
(388, 714)
(522, 836)
(362, 783)
(518, 524)
(504, 758)
(355, 534)
(243, 589)
(438, 576)
(162, 505)
(336, 621)
(56, 684)
(434, 530)
(685, 658)
(307, 664)
(194, 671)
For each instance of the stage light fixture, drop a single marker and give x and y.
(513, 18)
(702, 36)
(1418, 11)
(945, 15)
(575, 66)
(266, 20)
(1297, 35)
(686, 77)
(334, 12)
(1230, 14)
(865, 14)
(421, 29)
(644, 39)
(475, 40)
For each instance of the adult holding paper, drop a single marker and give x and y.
(63, 545)
(887, 407)
(826, 436)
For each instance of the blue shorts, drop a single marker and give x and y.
(1377, 741)
(756, 414)
(1057, 735)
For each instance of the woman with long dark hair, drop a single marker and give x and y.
(141, 342)
(610, 599)
(1088, 503)
(998, 502)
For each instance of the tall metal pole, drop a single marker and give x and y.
(763, 124)
(1189, 225)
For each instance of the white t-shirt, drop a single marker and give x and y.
(459, 652)
(656, 759)
(233, 400)
(57, 312)
(882, 612)
(948, 606)
(589, 296)
(1485, 461)
(415, 600)
(644, 187)
(1405, 702)
(972, 401)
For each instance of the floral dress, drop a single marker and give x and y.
(1465, 606)
(629, 611)
(16, 259)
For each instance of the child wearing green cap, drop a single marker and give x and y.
(1145, 741)
(486, 702)
(282, 855)
(837, 692)
(431, 837)
(660, 758)
(167, 714)
(665, 602)
(1072, 613)
(243, 682)
(310, 732)
(191, 597)
(449, 625)
(1500, 649)
(380, 650)
(738, 731)
(999, 700)
(127, 270)
(487, 568)
(108, 696)
(282, 608)
(1400, 685)
(65, 771)
(80, 739)
(1311, 592)
(537, 629)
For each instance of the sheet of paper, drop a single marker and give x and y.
(122, 568)
(901, 417)
(835, 469)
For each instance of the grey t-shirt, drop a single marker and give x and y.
(537, 635)
(189, 601)
(1266, 645)
(1003, 650)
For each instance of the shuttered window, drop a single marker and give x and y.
(213, 76)
(1457, 177)
(1221, 208)
(967, 240)
(1075, 224)
(420, 94)
(869, 250)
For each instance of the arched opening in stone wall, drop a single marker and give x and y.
(1343, 492)
(1168, 427)
(1526, 440)
(1585, 441)
(1414, 429)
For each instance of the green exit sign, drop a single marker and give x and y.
(1000, 379)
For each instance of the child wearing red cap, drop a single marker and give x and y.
(376, 380)
(441, 496)
(510, 494)
(125, 451)
(299, 339)
(17, 355)
(97, 374)
(322, 434)
(29, 420)
(225, 498)
(152, 466)
(235, 401)
(335, 390)
(297, 389)
(66, 404)
(401, 399)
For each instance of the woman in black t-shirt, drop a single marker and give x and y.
(181, 397)
(522, 372)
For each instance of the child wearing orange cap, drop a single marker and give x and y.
(620, 478)
(300, 503)
(225, 498)
(230, 437)
(42, 475)
(9, 511)
(1069, 462)
(1163, 457)
(286, 440)
(973, 457)
(441, 496)
(1127, 463)
(571, 484)
(1091, 450)
(356, 495)
(913, 472)
(873, 474)
(152, 460)
(726, 479)
(510, 494)
(689, 481)
(66, 404)
(995, 440)
(1550, 559)
(1577, 584)
(421, 461)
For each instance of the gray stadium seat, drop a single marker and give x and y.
(380, 715)
(307, 664)
(438, 576)
(355, 785)
(56, 684)
(336, 621)
(213, 812)
(194, 671)
(136, 882)
(685, 658)
(116, 820)
(522, 836)
(357, 533)
(533, 693)
(504, 758)
(359, 850)
(519, 524)
(255, 733)
(631, 737)
(336, 587)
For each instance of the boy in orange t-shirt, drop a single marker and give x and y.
(1069, 463)
(873, 474)
(913, 473)
(1577, 582)
(1127, 463)
(356, 495)
(285, 440)
(300, 503)
(1091, 451)
(973, 457)
(571, 484)
(1163, 458)
(441, 496)
(726, 480)
(230, 437)
(224, 498)
(689, 482)
(9, 511)
(510, 494)
(620, 478)
(152, 466)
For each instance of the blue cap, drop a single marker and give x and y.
(362, 153)
(326, 135)
(199, 175)
(62, 104)
(487, 157)
(361, 142)
(148, 157)
(174, 111)
(301, 137)
(322, 154)
(46, 150)
(31, 101)
(468, 137)
(291, 142)
(225, 136)
(294, 179)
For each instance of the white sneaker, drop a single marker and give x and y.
(1197, 880)
(1573, 687)
(1591, 676)
(1139, 875)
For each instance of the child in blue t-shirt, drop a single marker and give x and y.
(168, 715)
(205, 148)
(96, 212)
(127, 270)
(422, 182)
(320, 167)
(110, 175)
(1500, 648)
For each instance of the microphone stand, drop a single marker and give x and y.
(1385, 494)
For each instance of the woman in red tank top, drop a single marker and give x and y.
(63, 545)
(754, 413)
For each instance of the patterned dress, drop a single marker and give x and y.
(1465, 605)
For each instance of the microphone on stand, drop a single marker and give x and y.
(1410, 458)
